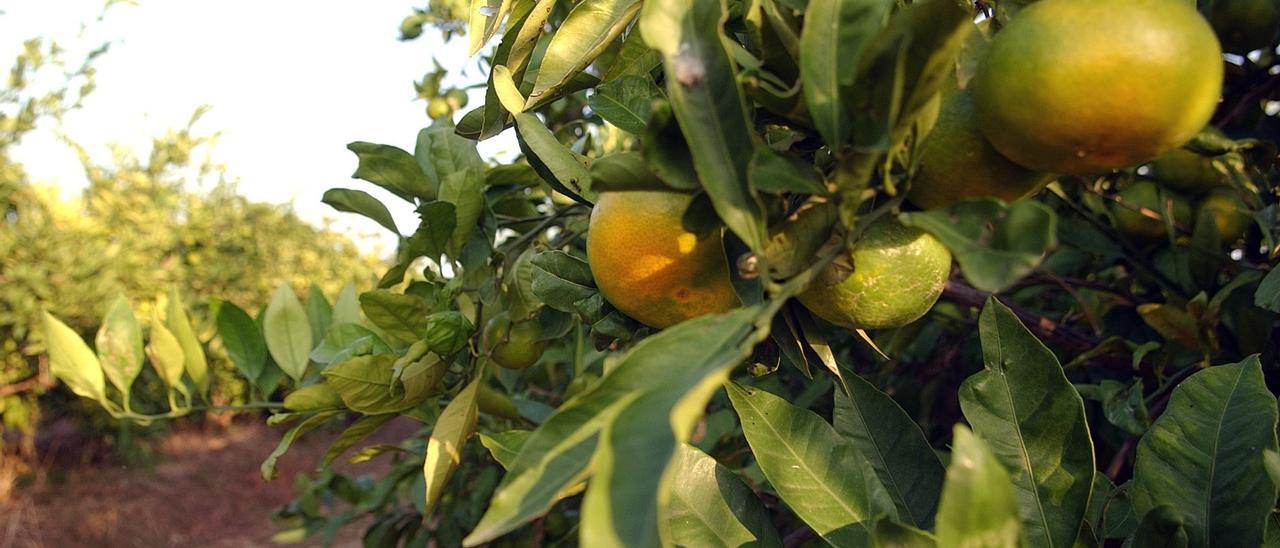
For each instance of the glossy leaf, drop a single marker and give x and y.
(361, 203)
(996, 244)
(895, 447)
(891, 534)
(672, 364)
(444, 448)
(1268, 294)
(978, 506)
(287, 332)
(359, 430)
(401, 316)
(119, 346)
(1204, 456)
(821, 476)
(439, 152)
(268, 468)
(195, 362)
(625, 102)
(556, 164)
(835, 32)
(345, 340)
(364, 383)
(624, 171)
(464, 189)
(435, 228)
(705, 97)
(505, 446)
(242, 340)
(1033, 420)
(590, 27)
(711, 506)
(483, 20)
(72, 362)
(393, 169)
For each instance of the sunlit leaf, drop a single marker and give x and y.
(119, 346)
(195, 362)
(978, 506)
(287, 332)
(583, 35)
(444, 448)
(71, 360)
(268, 468)
(710, 506)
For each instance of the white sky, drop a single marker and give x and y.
(290, 83)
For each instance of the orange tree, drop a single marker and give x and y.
(743, 315)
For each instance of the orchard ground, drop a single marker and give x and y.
(180, 500)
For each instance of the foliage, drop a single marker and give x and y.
(1113, 388)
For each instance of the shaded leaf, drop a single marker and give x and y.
(891, 534)
(557, 165)
(1022, 405)
(625, 102)
(835, 32)
(624, 171)
(504, 446)
(996, 244)
(268, 468)
(242, 340)
(359, 430)
(1203, 458)
(393, 169)
(710, 506)
(362, 203)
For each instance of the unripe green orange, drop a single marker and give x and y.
(898, 273)
(1143, 199)
(1230, 214)
(513, 345)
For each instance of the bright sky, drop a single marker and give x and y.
(291, 82)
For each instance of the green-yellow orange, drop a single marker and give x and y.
(648, 266)
(957, 162)
(513, 345)
(1230, 214)
(898, 274)
(1087, 86)
(1143, 207)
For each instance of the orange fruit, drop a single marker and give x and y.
(898, 274)
(957, 162)
(513, 345)
(1245, 25)
(1146, 195)
(1230, 213)
(1088, 86)
(648, 266)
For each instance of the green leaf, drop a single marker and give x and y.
(561, 280)
(465, 190)
(359, 430)
(166, 356)
(835, 32)
(346, 308)
(485, 17)
(781, 173)
(393, 169)
(401, 316)
(505, 86)
(557, 165)
(978, 506)
(268, 468)
(710, 506)
(1163, 526)
(706, 99)
(447, 332)
(345, 340)
(287, 331)
(1122, 405)
(891, 534)
(505, 446)
(996, 244)
(71, 361)
(1204, 456)
(821, 476)
(364, 383)
(119, 345)
(1022, 405)
(431, 239)
(895, 447)
(361, 203)
(444, 448)
(590, 27)
(624, 171)
(524, 29)
(625, 102)
(319, 312)
(665, 150)
(686, 363)
(195, 362)
(242, 340)
(1268, 293)
(439, 152)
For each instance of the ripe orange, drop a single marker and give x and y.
(648, 266)
(1087, 86)
(898, 273)
(957, 162)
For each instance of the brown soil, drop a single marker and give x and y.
(204, 490)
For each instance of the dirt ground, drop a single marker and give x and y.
(203, 490)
